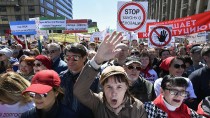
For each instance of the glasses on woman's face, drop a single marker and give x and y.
(133, 67)
(1, 55)
(177, 92)
(135, 53)
(72, 58)
(37, 64)
(38, 96)
(177, 66)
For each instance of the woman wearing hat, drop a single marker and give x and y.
(115, 100)
(46, 93)
(12, 102)
(42, 62)
(5, 64)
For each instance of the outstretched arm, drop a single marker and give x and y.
(106, 51)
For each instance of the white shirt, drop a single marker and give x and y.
(15, 110)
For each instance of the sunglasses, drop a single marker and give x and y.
(177, 66)
(73, 58)
(135, 53)
(51, 51)
(38, 96)
(1, 55)
(132, 67)
(37, 64)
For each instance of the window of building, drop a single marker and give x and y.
(4, 18)
(30, 1)
(49, 5)
(41, 1)
(31, 16)
(50, 13)
(18, 18)
(31, 8)
(3, 9)
(42, 10)
(16, 8)
(52, 1)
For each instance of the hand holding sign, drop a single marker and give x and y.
(162, 36)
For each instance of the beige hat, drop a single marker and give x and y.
(112, 70)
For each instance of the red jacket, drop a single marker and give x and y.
(21, 43)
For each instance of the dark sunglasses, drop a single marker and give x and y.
(37, 64)
(177, 66)
(39, 96)
(132, 67)
(135, 53)
(72, 58)
(1, 55)
(51, 51)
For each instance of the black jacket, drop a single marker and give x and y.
(57, 111)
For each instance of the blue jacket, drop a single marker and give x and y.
(68, 80)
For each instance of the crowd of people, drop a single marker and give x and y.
(112, 78)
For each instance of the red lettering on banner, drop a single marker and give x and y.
(187, 25)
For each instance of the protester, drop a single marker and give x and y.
(146, 68)
(195, 54)
(26, 67)
(5, 64)
(115, 100)
(42, 63)
(200, 78)
(46, 92)
(169, 104)
(134, 52)
(12, 103)
(139, 87)
(76, 57)
(54, 51)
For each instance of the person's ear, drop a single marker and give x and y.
(161, 91)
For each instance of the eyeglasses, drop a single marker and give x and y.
(177, 66)
(1, 55)
(37, 64)
(38, 96)
(72, 58)
(51, 51)
(132, 67)
(176, 92)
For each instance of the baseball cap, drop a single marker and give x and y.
(7, 52)
(196, 49)
(132, 59)
(43, 81)
(112, 70)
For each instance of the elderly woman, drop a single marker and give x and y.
(26, 67)
(42, 62)
(169, 104)
(12, 103)
(115, 100)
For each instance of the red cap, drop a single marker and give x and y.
(45, 61)
(43, 81)
(165, 63)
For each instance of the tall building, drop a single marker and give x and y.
(19, 10)
(162, 10)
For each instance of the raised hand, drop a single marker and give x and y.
(107, 50)
(162, 36)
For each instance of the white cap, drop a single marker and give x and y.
(7, 52)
